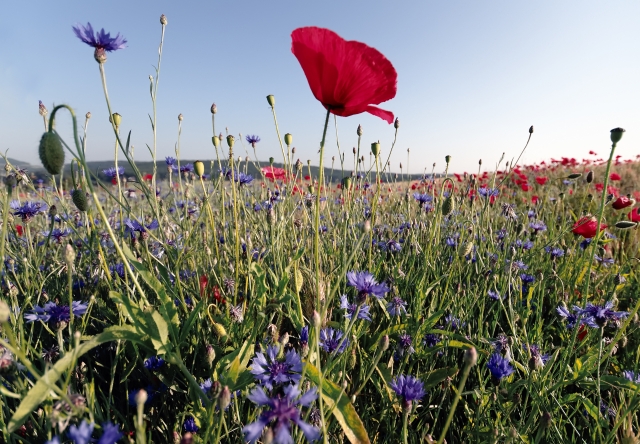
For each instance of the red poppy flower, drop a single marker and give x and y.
(534, 199)
(346, 76)
(586, 227)
(614, 176)
(634, 216)
(114, 181)
(622, 202)
(274, 173)
(524, 186)
(19, 230)
(582, 333)
(541, 180)
(148, 177)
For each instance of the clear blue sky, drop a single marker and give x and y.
(472, 75)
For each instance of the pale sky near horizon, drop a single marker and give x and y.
(472, 76)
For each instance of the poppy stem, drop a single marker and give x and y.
(316, 238)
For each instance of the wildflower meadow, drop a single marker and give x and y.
(239, 299)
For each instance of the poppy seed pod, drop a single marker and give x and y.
(51, 152)
(375, 148)
(230, 140)
(446, 159)
(448, 206)
(574, 176)
(216, 141)
(616, 135)
(79, 199)
(288, 139)
(271, 159)
(271, 100)
(198, 167)
(346, 182)
(589, 177)
(115, 119)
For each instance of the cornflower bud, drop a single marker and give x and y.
(214, 109)
(163, 20)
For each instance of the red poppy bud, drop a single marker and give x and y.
(623, 202)
(587, 226)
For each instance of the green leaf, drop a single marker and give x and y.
(435, 377)
(389, 331)
(344, 411)
(47, 382)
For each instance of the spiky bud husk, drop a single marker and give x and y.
(288, 139)
(616, 134)
(471, 357)
(298, 280)
(448, 206)
(180, 117)
(198, 167)
(79, 199)
(359, 131)
(375, 148)
(271, 100)
(225, 398)
(163, 20)
(51, 152)
(219, 330)
(69, 255)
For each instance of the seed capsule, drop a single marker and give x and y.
(51, 153)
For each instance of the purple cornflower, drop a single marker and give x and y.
(494, 295)
(110, 434)
(57, 234)
(537, 226)
(81, 434)
(526, 245)
(538, 359)
(243, 179)
(499, 367)
(304, 336)
(252, 140)
(605, 261)
(451, 241)
(190, 425)
(117, 269)
(270, 371)
(171, 162)
(330, 340)
(188, 168)
(555, 252)
(527, 278)
(397, 307)
(28, 210)
(432, 339)
(52, 312)
(153, 363)
(409, 388)
(531, 214)
(133, 226)
(101, 40)
(282, 410)
(489, 192)
(112, 172)
(453, 322)
(422, 199)
(363, 313)
(405, 345)
(519, 265)
(631, 376)
(573, 318)
(600, 314)
(366, 285)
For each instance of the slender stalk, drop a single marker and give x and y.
(454, 404)
(316, 225)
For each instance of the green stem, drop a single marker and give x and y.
(316, 225)
(463, 380)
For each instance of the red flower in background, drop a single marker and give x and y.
(614, 176)
(148, 177)
(586, 227)
(19, 230)
(622, 202)
(541, 180)
(274, 173)
(634, 216)
(534, 199)
(346, 76)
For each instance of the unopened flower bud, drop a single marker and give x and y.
(546, 420)
(316, 319)
(69, 255)
(88, 115)
(141, 397)
(284, 340)
(216, 141)
(225, 398)
(531, 129)
(211, 354)
(4, 312)
(180, 117)
(219, 330)
(589, 178)
(42, 109)
(271, 100)
(447, 159)
(359, 131)
(163, 20)
(384, 343)
(271, 160)
(214, 109)
(625, 224)
(396, 124)
(51, 152)
(288, 139)
(471, 357)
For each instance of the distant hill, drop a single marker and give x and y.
(147, 167)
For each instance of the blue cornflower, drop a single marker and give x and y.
(585, 243)
(519, 265)
(171, 163)
(110, 434)
(330, 340)
(432, 339)
(282, 410)
(153, 363)
(423, 199)
(117, 269)
(54, 440)
(538, 359)
(270, 371)
(28, 210)
(366, 285)
(188, 168)
(133, 226)
(499, 367)
(555, 252)
(405, 342)
(363, 313)
(409, 388)
(190, 425)
(112, 172)
(538, 226)
(453, 322)
(604, 261)
(391, 245)
(101, 40)
(397, 307)
(606, 410)
(526, 245)
(600, 314)
(501, 233)
(57, 234)
(488, 192)
(304, 336)
(81, 434)
(531, 214)
(631, 376)
(527, 278)
(494, 295)
(252, 140)
(52, 312)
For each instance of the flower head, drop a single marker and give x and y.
(28, 210)
(397, 307)
(190, 425)
(631, 376)
(281, 411)
(100, 40)
(488, 192)
(271, 371)
(499, 366)
(153, 363)
(363, 312)
(52, 312)
(408, 387)
(113, 172)
(331, 340)
(600, 314)
(587, 226)
(110, 434)
(366, 285)
(252, 140)
(346, 76)
(81, 434)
